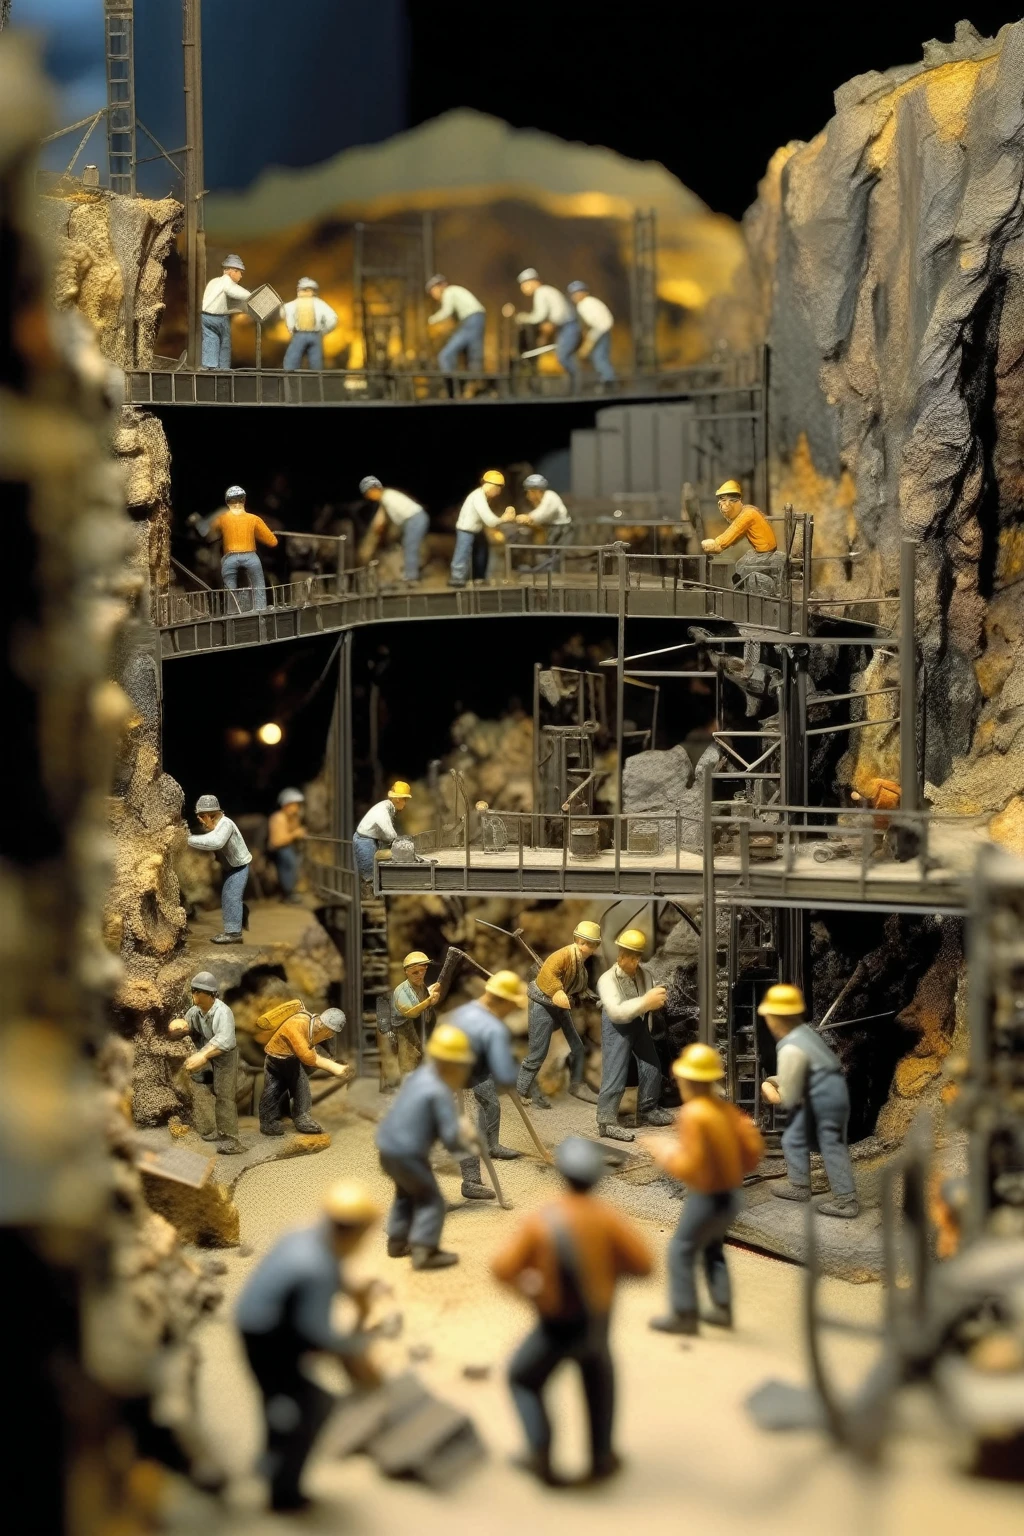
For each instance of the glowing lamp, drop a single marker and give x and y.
(270, 734)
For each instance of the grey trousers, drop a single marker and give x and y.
(618, 1043)
(489, 1120)
(545, 1018)
(824, 1131)
(760, 574)
(213, 1095)
(703, 1223)
(418, 1210)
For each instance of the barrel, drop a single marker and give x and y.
(585, 839)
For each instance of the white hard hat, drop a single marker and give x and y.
(307, 282)
(207, 804)
(527, 275)
(234, 261)
(234, 493)
(535, 483)
(291, 797)
(369, 483)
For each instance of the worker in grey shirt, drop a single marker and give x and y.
(223, 838)
(223, 297)
(494, 1069)
(455, 303)
(425, 1112)
(627, 997)
(555, 319)
(403, 513)
(810, 1083)
(213, 1065)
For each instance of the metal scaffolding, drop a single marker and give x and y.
(119, 24)
(643, 291)
(388, 293)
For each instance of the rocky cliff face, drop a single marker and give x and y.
(887, 263)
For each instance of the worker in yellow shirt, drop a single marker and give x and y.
(290, 1051)
(240, 531)
(758, 570)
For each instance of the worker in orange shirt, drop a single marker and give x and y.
(718, 1145)
(878, 795)
(759, 569)
(240, 531)
(290, 1050)
(567, 1259)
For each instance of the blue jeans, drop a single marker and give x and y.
(601, 357)
(829, 1113)
(488, 1119)
(231, 893)
(304, 344)
(467, 337)
(538, 1356)
(618, 1043)
(216, 341)
(287, 862)
(418, 1210)
(469, 547)
(704, 1221)
(544, 1019)
(231, 566)
(567, 344)
(414, 531)
(364, 849)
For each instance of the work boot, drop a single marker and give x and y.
(604, 1467)
(539, 1100)
(226, 938)
(210, 1135)
(471, 1191)
(272, 1128)
(398, 1248)
(846, 1206)
(504, 1154)
(657, 1117)
(431, 1258)
(583, 1092)
(230, 1147)
(538, 1464)
(675, 1322)
(717, 1316)
(801, 1192)
(615, 1133)
(307, 1126)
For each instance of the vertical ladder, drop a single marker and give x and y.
(753, 968)
(643, 292)
(118, 16)
(388, 294)
(375, 979)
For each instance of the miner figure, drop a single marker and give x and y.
(627, 1000)
(290, 1055)
(759, 570)
(213, 1064)
(494, 1067)
(412, 1016)
(561, 980)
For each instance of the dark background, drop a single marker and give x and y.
(709, 91)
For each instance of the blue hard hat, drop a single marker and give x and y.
(369, 483)
(234, 261)
(204, 981)
(438, 280)
(333, 1019)
(581, 1161)
(576, 286)
(234, 493)
(535, 483)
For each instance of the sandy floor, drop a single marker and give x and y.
(693, 1452)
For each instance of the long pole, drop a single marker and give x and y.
(910, 789)
(708, 952)
(620, 676)
(195, 237)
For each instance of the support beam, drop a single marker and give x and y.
(195, 237)
(910, 786)
(707, 970)
(119, 28)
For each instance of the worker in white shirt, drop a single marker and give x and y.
(377, 828)
(309, 320)
(475, 515)
(405, 514)
(554, 318)
(547, 510)
(455, 303)
(598, 319)
(223, 297)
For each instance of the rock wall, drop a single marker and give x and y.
(887, 263)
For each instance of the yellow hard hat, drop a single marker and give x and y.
(349, 1204)
(492, 477)
(588, 930)
(632, 939)
(730, 488)
(782, 999)
(508, 985)
(448, 1043)
(415, 957)
(401, 789)
(700, 1063)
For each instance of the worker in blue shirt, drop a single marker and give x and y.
(284, 1314)
(425, 1112)
(495, 1069)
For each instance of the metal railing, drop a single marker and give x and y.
(330, 868)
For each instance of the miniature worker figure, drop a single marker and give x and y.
(455, 303)
(475, 514)
(759, 569)
(284, 1314)
(810, 1083)
(494, 1069)
(879, 795)
(567, 1258)
(223, 297)
(403, 513)
(547, 510)
(223, 838)
(425, 1112)
(598, 319)
(213, 1065)
(291, 1053)
(627, 997)
(493, 831)
(555, 318)
(309, 319)
(561, 980)
(240, 531)
(412, 1016)
(718, 1146)
(285, 834)
(377, 828)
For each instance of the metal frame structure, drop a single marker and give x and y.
(119, 26)
(643, 292)
(389, 271)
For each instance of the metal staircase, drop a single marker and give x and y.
(375, 979)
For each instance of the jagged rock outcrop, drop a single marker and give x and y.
(888, 255)
(667, 781)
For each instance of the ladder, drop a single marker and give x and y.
(118, 17)
(753, 966)
(375, 979)
(388, 294)
(643, 292)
